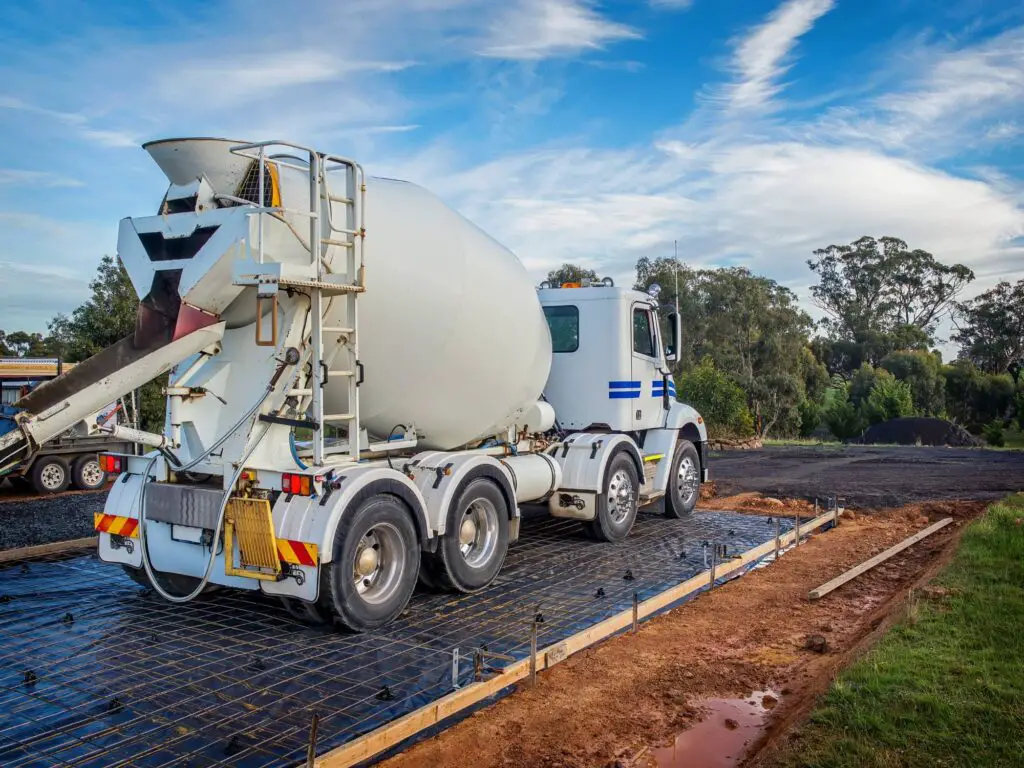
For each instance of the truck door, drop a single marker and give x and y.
(648, 410)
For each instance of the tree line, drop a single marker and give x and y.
(753, 362)
(107, 316)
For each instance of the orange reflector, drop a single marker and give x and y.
(296, 552)
(121, 526)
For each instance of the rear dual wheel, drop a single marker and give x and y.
(473, 547)
(375, 565)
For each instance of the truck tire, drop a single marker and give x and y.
(307, 613)
(618, 503)
(50, 474)
(683, 490)
(175, 583)
(86, 474)
(375, 566)
(475, 543)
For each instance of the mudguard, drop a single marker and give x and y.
(584, 457)
(439, 475)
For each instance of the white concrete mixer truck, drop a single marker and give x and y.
(362, 390)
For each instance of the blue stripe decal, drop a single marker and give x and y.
(623, 385)
(624, 395)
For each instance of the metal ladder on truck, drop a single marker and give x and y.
(319, 283)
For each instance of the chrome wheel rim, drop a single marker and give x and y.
(621, 498)
(686, 479)
(92, 475)
(52, 476)
(478, 533)
(378, 563)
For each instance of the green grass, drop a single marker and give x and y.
(946, 686)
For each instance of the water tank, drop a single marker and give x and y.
(451, 333)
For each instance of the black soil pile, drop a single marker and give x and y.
(919, 431)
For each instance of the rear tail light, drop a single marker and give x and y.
(297, 484)
(112, 465)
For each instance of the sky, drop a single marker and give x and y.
(751, 132)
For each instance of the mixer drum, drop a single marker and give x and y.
(451, 334)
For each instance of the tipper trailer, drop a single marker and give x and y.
(331, 438)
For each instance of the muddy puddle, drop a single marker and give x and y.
(721, 737)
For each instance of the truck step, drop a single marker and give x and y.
(339, 243)
(337, 199)
(326, 287)
(337, 329)
(339, 416)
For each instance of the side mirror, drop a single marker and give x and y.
(676, 328)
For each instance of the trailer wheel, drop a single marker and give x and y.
(86, 474)
(683, 481)
(50, 474)
(475, 543)
(375, 566)
(618, 503)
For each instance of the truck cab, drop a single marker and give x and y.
(610, 375)
(609, 368)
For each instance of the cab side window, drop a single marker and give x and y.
(564, 324)
(643, 333)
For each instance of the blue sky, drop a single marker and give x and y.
(751, 131)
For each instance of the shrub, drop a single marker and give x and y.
(921, 370)
(717, 398)
(810, 417)
(843, 419)
(889, 399)
(993, 433)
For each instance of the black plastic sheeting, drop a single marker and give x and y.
(96, 671)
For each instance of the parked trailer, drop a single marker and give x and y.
(455, 389)
(71, 458)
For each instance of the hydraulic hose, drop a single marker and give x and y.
(146, 564)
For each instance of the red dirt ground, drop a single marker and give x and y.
(610, 705)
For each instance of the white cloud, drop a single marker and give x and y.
(32, 221)
(761, 57)
(37, 178)
(538, 29)
(671, 5)
(948, 99)
(1004, 131)
(240, 79)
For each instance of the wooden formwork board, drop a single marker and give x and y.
(387, 736)
(56, 547)
(881, 557)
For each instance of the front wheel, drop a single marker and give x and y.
(475, 542)
(683, 481)
(617, 505)
(375, 565)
